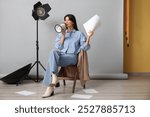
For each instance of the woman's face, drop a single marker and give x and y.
(68, 22)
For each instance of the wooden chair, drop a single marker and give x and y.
(73, 72)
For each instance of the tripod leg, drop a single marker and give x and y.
(28, 77)
(42, 66)
(33, 65)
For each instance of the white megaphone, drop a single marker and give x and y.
(60, 27)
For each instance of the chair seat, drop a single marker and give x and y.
(68, 71)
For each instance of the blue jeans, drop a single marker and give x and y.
(56, 59)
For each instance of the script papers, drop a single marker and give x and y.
(92, 24)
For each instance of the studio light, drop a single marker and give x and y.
(39, 12)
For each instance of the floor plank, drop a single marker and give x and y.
(135, 88)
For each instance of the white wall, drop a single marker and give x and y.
(18, 33)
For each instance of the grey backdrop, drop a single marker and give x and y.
(18, 34)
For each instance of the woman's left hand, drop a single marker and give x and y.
(90, 33)
(89, 36)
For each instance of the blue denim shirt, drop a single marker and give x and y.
(74, 42)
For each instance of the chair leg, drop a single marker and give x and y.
(64, 82)
(74, 84)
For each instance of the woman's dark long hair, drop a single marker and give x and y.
(73, 19)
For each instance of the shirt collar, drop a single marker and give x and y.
(73, 31)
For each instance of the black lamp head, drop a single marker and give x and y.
(40, 11)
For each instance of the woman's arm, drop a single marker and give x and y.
(62, 37)
(60, 40)
(85, 41)
(89, 37)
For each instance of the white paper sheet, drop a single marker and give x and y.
(90, 91)
(81, 96)
(25, 93)
(92, 24)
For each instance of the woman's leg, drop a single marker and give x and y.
(50, 79)
(67, 59)
(52, 66)
(56, 59)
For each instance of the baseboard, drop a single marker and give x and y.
(103, 76)
(139, 74)
(109, 76)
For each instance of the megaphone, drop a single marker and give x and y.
(60, 27)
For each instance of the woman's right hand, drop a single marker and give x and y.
(63, 32)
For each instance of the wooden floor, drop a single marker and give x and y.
(135, 88)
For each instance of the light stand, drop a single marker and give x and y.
(39, 12)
